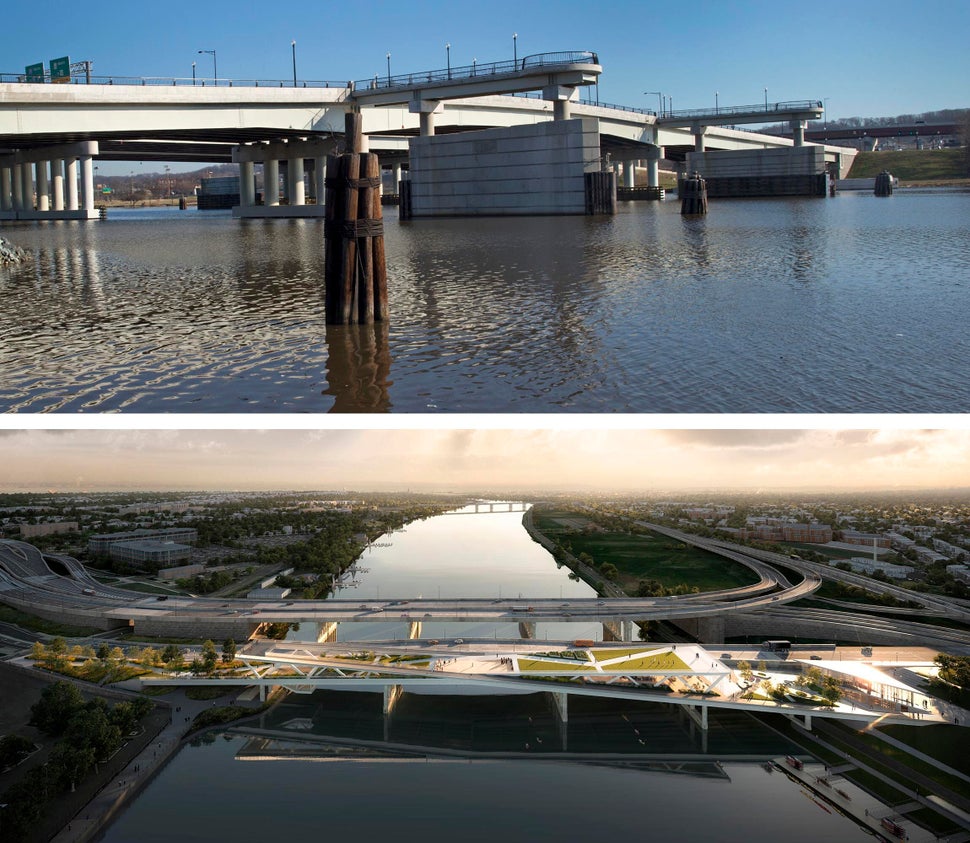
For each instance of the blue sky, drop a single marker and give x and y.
(865, 59)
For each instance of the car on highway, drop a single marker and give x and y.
(459, 640)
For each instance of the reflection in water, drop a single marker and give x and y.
(358, 368)
(805, 305)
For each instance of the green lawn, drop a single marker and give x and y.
(22, 619)
(649, 556)
(912, 164)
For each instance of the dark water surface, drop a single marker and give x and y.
(852, 304)
(206, 795)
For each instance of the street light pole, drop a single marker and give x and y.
(193, 74)
(293, 46)
(715, 102)
(766, 99)
(448, 50)
(215, 67)
(515, 49)
(660, 103)
(388, 69)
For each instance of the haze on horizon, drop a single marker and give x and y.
(470, 460)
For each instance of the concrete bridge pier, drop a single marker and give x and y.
(43, 186)
(70, 176)
(327, 633)
(698, 132)
(798, 131)
(6, 193)
(426, 110)
(16, 188)
(618, 631)
(561, 97)
(414, 630)
(57, 183)
(295, 191)
(654, 154)
(247, 183)
(271, 182)
(629, 173)
(805, 722)
(560, 703)
(319, 179)
(527, 629)
(392, 693)
(26, 187)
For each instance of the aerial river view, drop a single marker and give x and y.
(441, 766)
(851, 304)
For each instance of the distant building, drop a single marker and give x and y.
(30, 531)
(961, 572)
(867, 539)
(180, 572)
(788, 532)
(863, 565)
(268, 593)
(149, 553)
(102, 543)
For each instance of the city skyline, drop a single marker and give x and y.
(468, 460)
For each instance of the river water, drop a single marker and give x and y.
(233, 787)
(851, 304)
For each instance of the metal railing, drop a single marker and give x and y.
(767, 108)
(472, 71)
(198, 82)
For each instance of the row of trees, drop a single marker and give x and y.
(89, 733)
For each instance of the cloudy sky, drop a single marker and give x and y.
(459, 460)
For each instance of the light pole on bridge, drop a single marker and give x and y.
(660, 101)
(215, 66)
(515, 49)
(448, 51)
(715, 102)
(388, 69)
(766, 99)
(193, 73)
(293, 47)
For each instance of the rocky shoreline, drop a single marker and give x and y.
(10, 253)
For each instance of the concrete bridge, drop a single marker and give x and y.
(50, 135)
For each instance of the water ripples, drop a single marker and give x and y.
(846, 305)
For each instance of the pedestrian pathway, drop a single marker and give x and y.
(91, 819)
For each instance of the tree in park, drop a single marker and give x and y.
(228, 651)
(209, 656)
(57, 703)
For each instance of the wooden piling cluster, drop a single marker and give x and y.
(600, 193)
(693, 195)
(355, 267)
(884, 184)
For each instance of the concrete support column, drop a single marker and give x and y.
(295, 191)
(629, 173)
(698, 133)
(6, 189)
(16, 188)
(43, 201)
(87, 183)
(414, 630)
(427, 124)
(327, 632)
(798, 131)
(561, 110)
(392, 693)
(271, 182)
(70, 176)
(247, 187)
(527, 629)
(561, 702)
(27, 187)
(653, 166)
(397, 176)
(57, 180)
(319, 179)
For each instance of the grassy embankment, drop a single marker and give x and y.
(915, 168)
(644, 557)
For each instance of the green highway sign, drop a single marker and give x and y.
(35, 72)
(61, 69)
